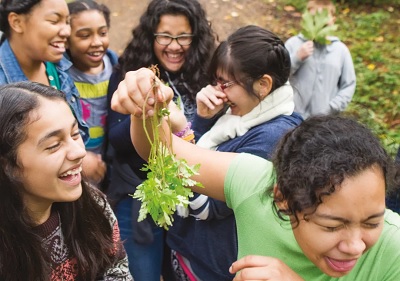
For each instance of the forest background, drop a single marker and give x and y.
(370, 28)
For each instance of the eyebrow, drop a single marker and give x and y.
(330, 217)
(54, 133)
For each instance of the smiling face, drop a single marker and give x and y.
(88, 41)
(345, 225)
(240, 101)
(172, 57)
(45, 30)
(51, 157)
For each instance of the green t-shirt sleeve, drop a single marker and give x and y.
(247, 174)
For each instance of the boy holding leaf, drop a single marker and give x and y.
(322, 69)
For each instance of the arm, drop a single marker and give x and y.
(346, 84)
(130, 98)
(299, 51)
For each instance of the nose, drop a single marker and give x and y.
(353, 243)
(174, 44)
(65, 30)
(76, 149)
(96, 41)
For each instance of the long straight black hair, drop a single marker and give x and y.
(86, 229)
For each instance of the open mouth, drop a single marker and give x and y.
(341, 265)
(58, 45)
(96, 54)
(67, 176)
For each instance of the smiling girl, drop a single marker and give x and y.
(91, 71)
(176, 36)
(32, 48)
(53, 226)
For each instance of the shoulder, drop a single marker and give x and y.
(294, 40)
(63, 65)
(112, 56)
(247, 175)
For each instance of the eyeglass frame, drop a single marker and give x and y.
(173, 38)
(226, 85)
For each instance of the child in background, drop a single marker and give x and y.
(91, 70)
(32, 47)
(323, 74)
(53, 226)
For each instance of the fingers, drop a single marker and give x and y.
(249, 261)
(261, 268)
(209, 101)
(138, 91)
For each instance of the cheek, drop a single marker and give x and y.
(157, 50)
(371, 237)
(314, 242)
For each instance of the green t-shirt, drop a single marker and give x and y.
(260, 232)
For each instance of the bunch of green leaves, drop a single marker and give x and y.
(316, 26)
(168, 178)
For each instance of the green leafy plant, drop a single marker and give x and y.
(167, 177)
(315, 27)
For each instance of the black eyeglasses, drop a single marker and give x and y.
(166, 39)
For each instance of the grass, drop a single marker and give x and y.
(371, 33)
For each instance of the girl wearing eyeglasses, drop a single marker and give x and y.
(248, 108)
(176, 36)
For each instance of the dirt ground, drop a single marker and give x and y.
(225, 16)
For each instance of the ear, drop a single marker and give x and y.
(282, 204)
(263, 86)
(16, 22)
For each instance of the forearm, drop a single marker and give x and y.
(213, 165)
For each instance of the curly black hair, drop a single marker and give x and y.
(139, 51)
(314, 159)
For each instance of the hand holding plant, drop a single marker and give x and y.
(168, 178)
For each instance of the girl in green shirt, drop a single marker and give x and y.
(319, 214)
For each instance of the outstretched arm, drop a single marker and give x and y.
(130, 97)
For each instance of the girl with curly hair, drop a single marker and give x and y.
(316, 212)
(176, 36)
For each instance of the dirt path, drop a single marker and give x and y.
(225, 16)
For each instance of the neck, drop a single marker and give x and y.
(39, 214)
(34, 70)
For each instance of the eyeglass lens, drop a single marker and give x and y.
(166, 39)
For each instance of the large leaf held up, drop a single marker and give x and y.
(315, 27)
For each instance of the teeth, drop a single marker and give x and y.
(95, 53)
(72, 172)
(58, 45)
(174, 56)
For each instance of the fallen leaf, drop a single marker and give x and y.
(289, 8)
(379, 39)
(346, 11)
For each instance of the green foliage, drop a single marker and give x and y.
(165, 187)
(316, 28)
(168, 178)
(371, 34)
(375, 47)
